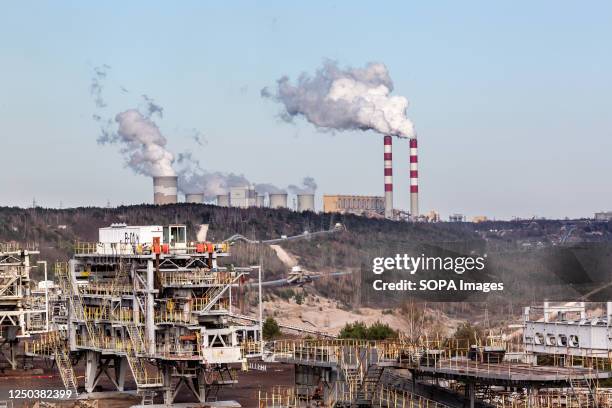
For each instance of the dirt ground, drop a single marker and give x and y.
(245, 392)
(325, 314)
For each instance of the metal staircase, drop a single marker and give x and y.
(53, 344)
(148, 398)
(136, 338)
(214, 293)
(64, 365)
(7, 287)
(71, 289)
(370, 384)
(136, 346)
(583, 387)
(351, 366)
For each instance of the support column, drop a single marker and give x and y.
(168, 391)
(135, 307)
(202, 384)
(72, 328)
(472, 391)
(13, 354)
(121, 367)
(91, 370)
(529, 397)
(150, 310)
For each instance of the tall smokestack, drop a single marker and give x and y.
(414, 179)
(164, 190)
(388, 177)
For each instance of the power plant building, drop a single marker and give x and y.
(603, 216)
(351, 204)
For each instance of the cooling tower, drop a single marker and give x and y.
(305, 202)
(260, 202)
(278, 200)
(388, 157)
(164, 190)
(223, 200)
(194, 198)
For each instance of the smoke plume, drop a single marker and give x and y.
(309, 186)
(209, 183)
(345, 99)
(194, 179)
(269, 188)
(142, 143)
(144, 147)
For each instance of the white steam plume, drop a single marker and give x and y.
(143, 145)
(269, 188)
(194, 179)
(345, 99)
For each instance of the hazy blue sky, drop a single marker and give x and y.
(511, 100)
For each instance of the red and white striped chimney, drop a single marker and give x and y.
(414, 179)
(388, 178)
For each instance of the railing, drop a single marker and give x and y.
(93, 248)
(341, 393)
(76, 302)
(136, 338)
(9, 247)
(106, 289)
(104, 343)
(283, 397)
(191, 351)
(199, 304)
(197, 278)
(134, 346)
(125, 315)
(85, 248)
(390, 398)
(552, 399)
(328, 351)
(250, 348)
(86, 314)
(64, 365)
(61, 273)
(96, 313)
(45, 345)
(141, 375)
(52, 344)
(165, 316)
